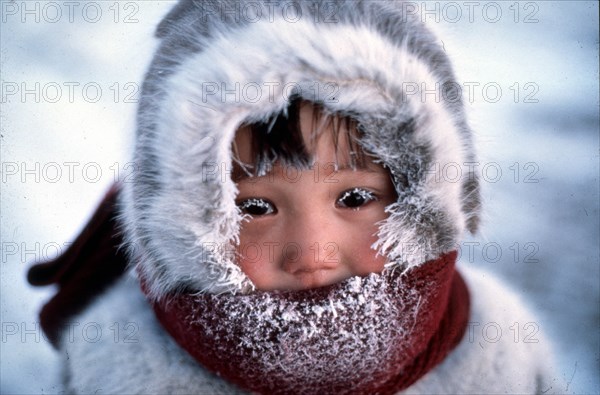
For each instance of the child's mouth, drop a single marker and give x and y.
(313, 278)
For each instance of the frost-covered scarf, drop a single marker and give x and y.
(377, 334)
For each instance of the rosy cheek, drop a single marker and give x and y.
(248, 251)
(258, 258)
(366, 260)
(251, 265)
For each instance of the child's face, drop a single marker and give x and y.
(311, 228)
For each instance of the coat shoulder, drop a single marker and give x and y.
(117, 346)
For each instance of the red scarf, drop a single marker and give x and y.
(315, 341)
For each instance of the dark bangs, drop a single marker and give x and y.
(280, 141)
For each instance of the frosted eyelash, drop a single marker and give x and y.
(367, 195)
(253, 202)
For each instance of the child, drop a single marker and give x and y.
(289, 227)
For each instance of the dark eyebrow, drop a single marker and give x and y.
(366, 166)
(348, 171)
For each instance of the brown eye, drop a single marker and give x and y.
(355, 198)
(257, 207)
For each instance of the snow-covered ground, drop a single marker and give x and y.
(70, 78)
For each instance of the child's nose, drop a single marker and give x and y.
(311, 246)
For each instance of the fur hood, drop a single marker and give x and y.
(222, 64)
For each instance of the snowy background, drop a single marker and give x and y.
(70, 79)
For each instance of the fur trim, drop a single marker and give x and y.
(124, 350)
(211, 75)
